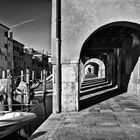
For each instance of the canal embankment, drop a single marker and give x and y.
(114, 119)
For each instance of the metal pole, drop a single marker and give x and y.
(58, 48)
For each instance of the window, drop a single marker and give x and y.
(5, 58)
(6, 33)
(6, 46)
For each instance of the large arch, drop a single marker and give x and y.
(118, 43)
(131, 24)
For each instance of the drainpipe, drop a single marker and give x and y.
(58, 54)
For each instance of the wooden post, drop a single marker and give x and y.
(22, 76)
(33, 76)
(44, 92)
(28, 86)
(9, 90)
(22, 94)
(3, 74)
(5, 94)
(44, 84)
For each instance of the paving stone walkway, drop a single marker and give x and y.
(115, 119)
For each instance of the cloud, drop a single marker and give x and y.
(22, 23)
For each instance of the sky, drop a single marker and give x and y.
(29, 20)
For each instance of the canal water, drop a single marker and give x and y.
(42, 110)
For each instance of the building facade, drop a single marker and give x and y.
(39, 62)
(4, 48)
(11, 51)
(18, 57)
(27, 59)
(14, 55)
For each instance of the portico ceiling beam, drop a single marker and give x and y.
(101, 44)
(99, 49)
(107, 39)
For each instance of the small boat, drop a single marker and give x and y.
(11, 122)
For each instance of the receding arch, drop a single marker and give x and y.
(89, 69)
(101, 68)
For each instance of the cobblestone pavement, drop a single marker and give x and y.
(115, 119)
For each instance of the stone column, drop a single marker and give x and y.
(113, 72)
(70, 87)
(110, 62)
(118, 68)
(108, 68)
(100, 71)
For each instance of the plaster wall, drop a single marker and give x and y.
(81, 18)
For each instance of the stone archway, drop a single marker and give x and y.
(118, 43)
(101, 69)
(89, 69)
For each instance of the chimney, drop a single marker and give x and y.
(11, 35)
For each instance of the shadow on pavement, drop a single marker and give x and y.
(85, 103)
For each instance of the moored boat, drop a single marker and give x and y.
(11, 122)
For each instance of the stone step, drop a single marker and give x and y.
(98, 93)
(85, 87)
(94, 90)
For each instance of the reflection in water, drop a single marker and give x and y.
(43, 111)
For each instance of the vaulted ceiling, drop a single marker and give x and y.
(105, 40)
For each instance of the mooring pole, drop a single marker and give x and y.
(22, 76)
(22, 93)
(58, 54)
(28, 86)
(33, 76)
(44, 92)
(9, 90)
(44, 84)
(3, 74)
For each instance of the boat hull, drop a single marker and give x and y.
(11, 122)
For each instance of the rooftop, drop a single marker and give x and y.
(4, 26)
